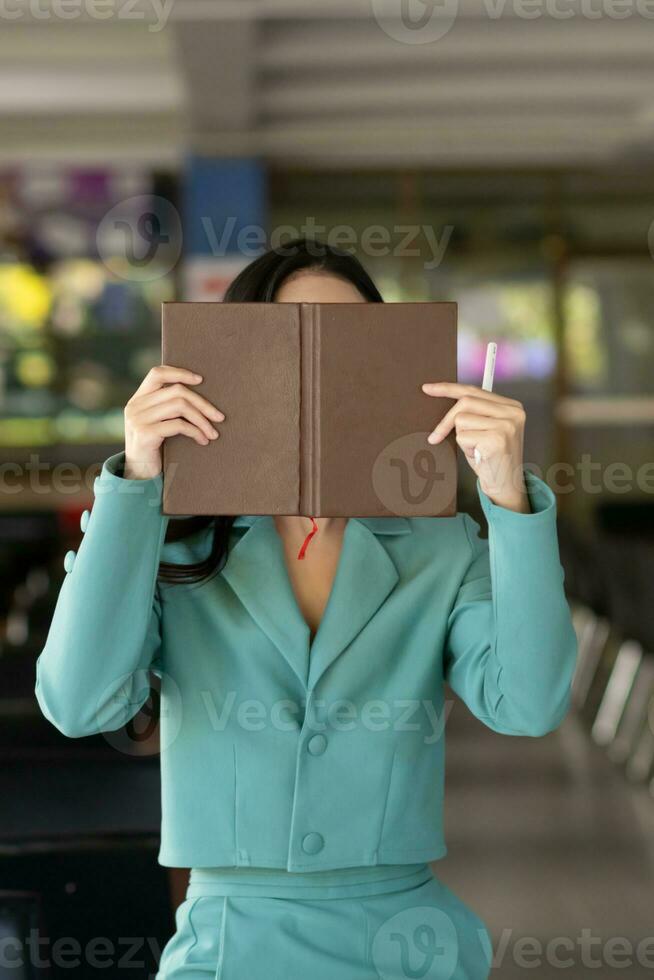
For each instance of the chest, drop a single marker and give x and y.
(312, 578)
(384, 610)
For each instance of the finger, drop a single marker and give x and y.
(452, 389)
(179, 427)
(178, 390)
(469, 420)
(469, 405)
(486, 441)
(164, 374)
(173, 408)
(177, 408)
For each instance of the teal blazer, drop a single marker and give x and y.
(278, 752)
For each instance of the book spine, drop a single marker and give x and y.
(316, 413)
(309, 412)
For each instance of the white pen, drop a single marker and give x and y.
(487, 383)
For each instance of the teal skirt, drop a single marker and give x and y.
(390, 922)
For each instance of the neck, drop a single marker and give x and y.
(299, 527)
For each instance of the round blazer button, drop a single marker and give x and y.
(69, 561)
(84, 520)
(312, 844)
(317, 744)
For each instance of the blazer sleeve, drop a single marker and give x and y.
(511, 647)
(93, 673)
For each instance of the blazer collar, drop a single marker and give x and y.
(256, 571)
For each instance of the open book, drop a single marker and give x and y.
(325, 415)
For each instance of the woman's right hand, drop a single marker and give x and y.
(164, 406)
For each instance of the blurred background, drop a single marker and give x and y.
(499, 154)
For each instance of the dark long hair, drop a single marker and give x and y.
(260, 282)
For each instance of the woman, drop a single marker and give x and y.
(302, 702)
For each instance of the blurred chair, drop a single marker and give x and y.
(608, 577)
(640, 765)
(617, 692)
(635, 714)
(593, 634)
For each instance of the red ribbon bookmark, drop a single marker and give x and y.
(305, 544)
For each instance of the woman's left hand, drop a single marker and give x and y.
(494, 426)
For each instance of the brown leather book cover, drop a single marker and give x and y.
(325, 414)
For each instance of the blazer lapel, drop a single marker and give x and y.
(364, 578)
(256, 571)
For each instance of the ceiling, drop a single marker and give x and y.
(331, 84)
